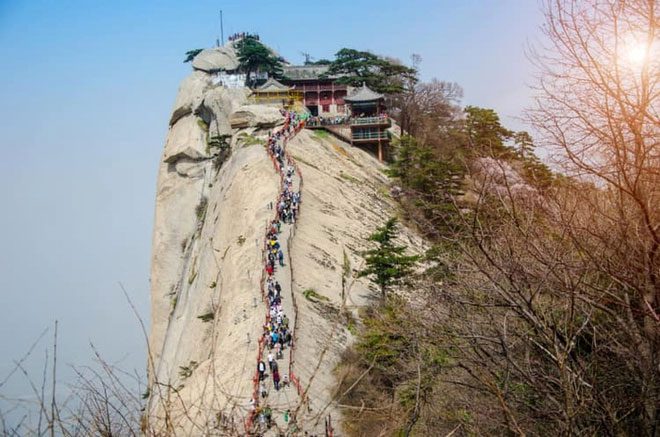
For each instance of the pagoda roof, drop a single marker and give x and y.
(364, 94)
(272, 85)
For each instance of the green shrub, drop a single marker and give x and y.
(219, 142)
(321, 133)
(207, 317)
(250, 140)
(311, 294)
(351, 323)
(200, 209)
(203, 125)
(187, 371)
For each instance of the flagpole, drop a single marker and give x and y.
(222, 30)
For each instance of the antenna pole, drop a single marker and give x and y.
(222, 29)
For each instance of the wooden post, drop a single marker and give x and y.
(380, 151)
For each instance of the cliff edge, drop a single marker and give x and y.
(215, 194)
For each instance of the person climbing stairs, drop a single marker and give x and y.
(279, 390)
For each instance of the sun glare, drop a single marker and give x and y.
(636, 54)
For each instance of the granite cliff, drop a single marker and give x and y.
(216, 186)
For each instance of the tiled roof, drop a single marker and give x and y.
(272, 85)
(363, 94)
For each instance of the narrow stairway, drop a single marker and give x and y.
(274, 405)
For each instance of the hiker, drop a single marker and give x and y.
(276, 379)
(280, 257)
(261, 367)
(268, 414)
(263, 390)
(270, 360)
(285, 381)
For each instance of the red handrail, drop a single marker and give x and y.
(255, 392)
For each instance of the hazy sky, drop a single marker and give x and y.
(86, 88)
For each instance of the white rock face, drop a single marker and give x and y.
(216, 58)
(186, 171)
(207, 261)
(345, 197)
(260, 116)
(191, 91)
(186, 139)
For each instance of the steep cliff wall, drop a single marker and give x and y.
(212, 207)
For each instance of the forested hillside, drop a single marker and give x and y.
(536, 310)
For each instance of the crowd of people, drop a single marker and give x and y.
(328, 121)
(277, 334)
(274, 252)
(240, 35)
(342, 119)
(277, 337)
(287, 208)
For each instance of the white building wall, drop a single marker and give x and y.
(229, 80)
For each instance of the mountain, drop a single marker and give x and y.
(217, 190)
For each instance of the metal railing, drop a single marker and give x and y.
(377, 135)
(381, 120)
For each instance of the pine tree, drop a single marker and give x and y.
(355, 67)
(254, 57)
(387, 265)
(190, 54)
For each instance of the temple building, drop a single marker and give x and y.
(273, 91)
(369, 122)
(321, 95)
